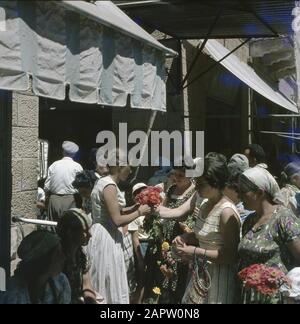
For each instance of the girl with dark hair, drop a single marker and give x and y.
(84, 182)
(215, 239)
(38, 278)
(73, 229)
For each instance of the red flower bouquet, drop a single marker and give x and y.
(152, 196)
(149, 196)
(261, 283)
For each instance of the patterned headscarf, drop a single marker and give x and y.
(262, 179)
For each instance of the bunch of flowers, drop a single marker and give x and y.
(262, 283)
(168, 266)
(151, 196)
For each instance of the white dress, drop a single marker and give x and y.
(105, 248)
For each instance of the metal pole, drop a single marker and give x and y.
(250, 117)
(201, 46)
(216, 63)
(33, 221)
(145, 145)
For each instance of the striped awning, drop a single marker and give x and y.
(93, 52)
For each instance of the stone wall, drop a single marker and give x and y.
(25, 122)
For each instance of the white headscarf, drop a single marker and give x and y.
(263, 179)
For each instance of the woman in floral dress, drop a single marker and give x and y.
(164, 272)
(214, 241)
(174, 285)
(271, 235)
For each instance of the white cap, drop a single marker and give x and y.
(138, 186)
(70, 147)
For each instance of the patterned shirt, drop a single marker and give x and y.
(268, 243)
(18, 293)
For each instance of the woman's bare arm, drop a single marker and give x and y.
(180, 212)
(111, 201)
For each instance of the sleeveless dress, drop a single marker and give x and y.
(173, 287)
(105, 248)
(223, 276)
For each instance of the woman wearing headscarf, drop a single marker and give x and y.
(237, 164)
(291, 190)
(38, 278)
(271, 235)
(74, 231)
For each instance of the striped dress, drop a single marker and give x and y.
(207, 230)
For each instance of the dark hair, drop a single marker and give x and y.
(233, 179)
(218, 156)
(86, 179)
(257, 152)
(180, 165)
(41, 183)
(215, 172)
(69, 222)
(29, 271)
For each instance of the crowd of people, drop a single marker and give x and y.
(236, 214)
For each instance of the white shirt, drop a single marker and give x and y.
(61, 174)
(100, 213)
(138, 225)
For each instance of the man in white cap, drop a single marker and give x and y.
(58, 185)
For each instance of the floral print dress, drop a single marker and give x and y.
(268, 243)
(173, 282)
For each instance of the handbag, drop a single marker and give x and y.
(199, 284)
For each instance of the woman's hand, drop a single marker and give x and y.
(180, 240)
(186, 250)
(144, 210)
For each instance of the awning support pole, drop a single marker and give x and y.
(201, 46)
(216, 63)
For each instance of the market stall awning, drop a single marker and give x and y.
(95, 50)
(246, 74)
(193, 19)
